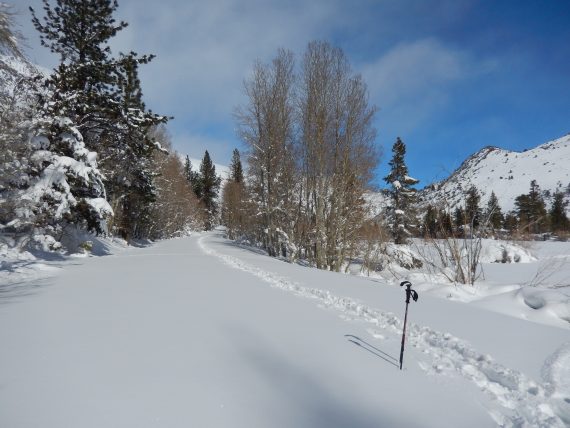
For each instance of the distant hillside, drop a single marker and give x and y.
(507, 173)
(13, 69)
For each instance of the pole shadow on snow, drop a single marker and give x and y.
(372, 349)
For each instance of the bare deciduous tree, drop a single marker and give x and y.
(337, 153)
(176, 207)
(266, 126)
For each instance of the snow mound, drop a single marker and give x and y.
(504, 252)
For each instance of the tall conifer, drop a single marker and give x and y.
(403, 195)
(210, 183)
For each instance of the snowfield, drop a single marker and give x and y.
(201, 332)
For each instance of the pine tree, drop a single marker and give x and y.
(187, 168)
(236, 169)
(493, 212)
(233, 199)
(445, 224)
(132, 147)
(459, 218)
(472, 209)
(511, 222)
(65, 184)
(431, 222)
(102, 95)
(558, 220)
(402, 194)
(531, 209)
(210, 184)
(85, 83)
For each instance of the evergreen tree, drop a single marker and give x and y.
(402, 194)
(102, 96)
(531, 209)
(210, 185)
(193, 178)
(65, 184)
(233, 199)
(446, 224)
(131, 146)
(472, 209)
(236, 169)
(431, 222)
(511, 222)
(558, 219)
(493, 212)
(459, 218)
(187, 169)
(85, 82)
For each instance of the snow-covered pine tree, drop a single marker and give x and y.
(102, 96)
(64, 185)
(400, 215)
(210, 183)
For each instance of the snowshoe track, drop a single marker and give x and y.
(523, 402)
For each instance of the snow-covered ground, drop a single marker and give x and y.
(198, 331)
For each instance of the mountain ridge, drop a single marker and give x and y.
(507, 173)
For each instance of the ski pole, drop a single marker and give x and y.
(414, 295)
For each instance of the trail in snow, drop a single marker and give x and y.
(524, 402)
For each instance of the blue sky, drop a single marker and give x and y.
(448, 77)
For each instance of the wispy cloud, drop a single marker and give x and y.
(412, 80)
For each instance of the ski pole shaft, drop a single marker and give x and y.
(409, 293)
(403, 337)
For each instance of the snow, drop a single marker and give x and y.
(198, 331)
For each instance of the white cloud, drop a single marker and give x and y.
(412, 69)
(413, 81)
(205, 49)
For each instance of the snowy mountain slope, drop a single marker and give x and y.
(12, 69)
(200, 332)
(507, 173)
